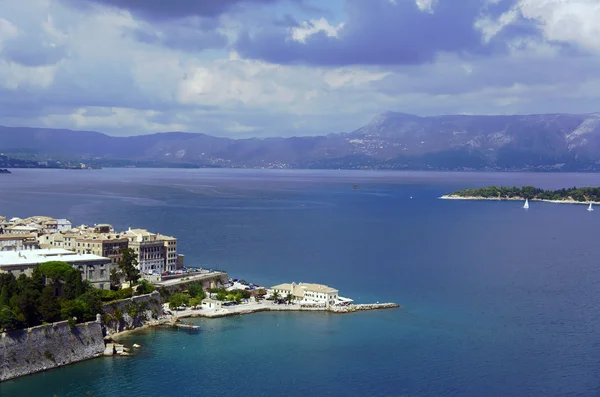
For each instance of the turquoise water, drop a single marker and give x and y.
(497, 301)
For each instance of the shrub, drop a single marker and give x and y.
(108, 295)
(144, 287)
(125, 293)
(48, 354)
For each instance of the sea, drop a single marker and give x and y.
(495, 300)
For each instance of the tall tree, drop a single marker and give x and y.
(128, 265)
(4, 296)
(115, 279)
(48, 306)
(8, 319)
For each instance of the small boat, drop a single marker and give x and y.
(356, 187)
(526, 205)
(590, 207)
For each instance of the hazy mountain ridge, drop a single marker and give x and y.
(391, 140)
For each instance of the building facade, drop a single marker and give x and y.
(93, 268)
(308, 293)
(18, 242)
(149, 250)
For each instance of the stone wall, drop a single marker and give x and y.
(26, 351)
(128, 314)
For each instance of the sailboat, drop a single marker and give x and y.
(590, 207)
(526, 205)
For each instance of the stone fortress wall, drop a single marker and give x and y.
(30, 350)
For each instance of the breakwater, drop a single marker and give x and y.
(270, 307)
(31, 350)
(359, 307)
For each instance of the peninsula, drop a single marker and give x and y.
(572, 195)
(67, 292)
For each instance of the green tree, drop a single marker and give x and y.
(128, 265)
(48, 306)
(275, 295)
(196, 290)
(196, 301)
(73, 284)
(178, 299)
(8, 319)
(55, 270)
(221, 295)
(144, 287)
(289, 298)
(92, 304)
(72, 308)
(115, 279)
(26, 303)
(4, 296)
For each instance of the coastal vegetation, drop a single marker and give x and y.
(55, 291)
(192, 297)
(584, 194)
(127, 267)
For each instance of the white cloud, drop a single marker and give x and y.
(108, 81)
(14, 76)
(574, 21)
(343, 77)
(7, 31)
(570, 21)
(490, 27)
(427, 5)
(312, 27)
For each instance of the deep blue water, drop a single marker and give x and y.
(497, 301)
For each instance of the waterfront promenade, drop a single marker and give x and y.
(263, 306)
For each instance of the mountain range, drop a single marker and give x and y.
(568, 142)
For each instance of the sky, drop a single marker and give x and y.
(260, 68)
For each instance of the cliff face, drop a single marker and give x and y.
(36, 349)
(128, 314)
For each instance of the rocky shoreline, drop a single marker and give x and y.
(480, 198)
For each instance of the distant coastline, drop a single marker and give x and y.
(585, 195)
(479, 198)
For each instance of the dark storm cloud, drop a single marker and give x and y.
(175, 9)
(378, 32)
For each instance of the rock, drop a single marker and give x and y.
(119, 349)
(109, 350)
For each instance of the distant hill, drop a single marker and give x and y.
(391, 141)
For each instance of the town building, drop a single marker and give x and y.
(173, 261)
(309, 293)
(94, 268)
(109, 245)
(149, 249)
(212, 304)
(18, 242)
(63, 224)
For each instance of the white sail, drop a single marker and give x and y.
(526, 204)
(590, 207)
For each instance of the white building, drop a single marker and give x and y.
(149, 249)
(94, 268)
(63, 224)
(309, 293)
